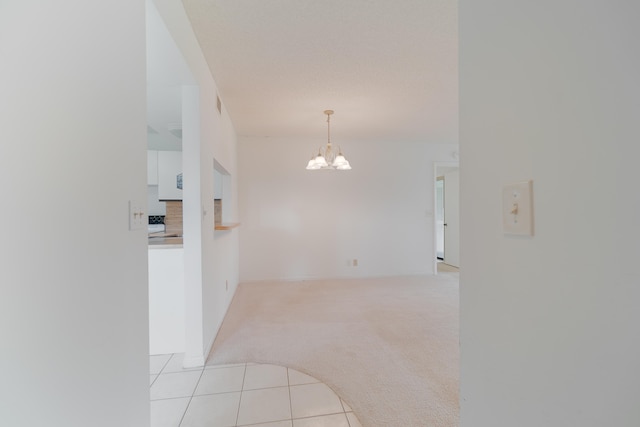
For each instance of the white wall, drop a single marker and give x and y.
(73, 296)
(170, 165)
(300, 224)
(549, 324)
(208, 295)
(154, 205)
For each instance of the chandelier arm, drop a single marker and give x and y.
(328, 129)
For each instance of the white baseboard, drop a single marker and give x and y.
(193, 361)
(420, 273)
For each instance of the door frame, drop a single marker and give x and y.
(436, 167)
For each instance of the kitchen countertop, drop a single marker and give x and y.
(162, 239)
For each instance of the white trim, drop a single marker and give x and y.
(193, 361)
(317, 279)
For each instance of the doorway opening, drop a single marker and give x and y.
(447, 217)
(173, 188)
(440, 218)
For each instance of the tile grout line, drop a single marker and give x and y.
(196, 395)
(160, 371)
(202, 370)
(319, 416)
(191, 398)
(345, 415)
(262, 388)
(244, 375)
(345, 410)
(154, 380)
(267, 422)
(165, 364)
(289, 389)
(171, 398)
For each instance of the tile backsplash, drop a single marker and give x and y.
(156, 219)
(217, 211)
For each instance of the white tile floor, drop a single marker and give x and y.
(245, 394)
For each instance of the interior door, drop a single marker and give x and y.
(452, 218)
(440, 218)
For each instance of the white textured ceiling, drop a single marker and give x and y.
(389, 69)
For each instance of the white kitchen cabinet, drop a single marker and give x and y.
(169, 175)
(152, 167)
(166, 299)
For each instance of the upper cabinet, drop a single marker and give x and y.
(152, 167)
(169, 175)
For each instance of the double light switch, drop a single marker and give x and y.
(137, 218)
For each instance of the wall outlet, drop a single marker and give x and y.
(355, 262)
(226, 285)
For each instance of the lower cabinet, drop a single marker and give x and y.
(166, 300)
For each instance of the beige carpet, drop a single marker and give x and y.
(388, 347)
(446, 268)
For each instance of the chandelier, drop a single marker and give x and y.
(328, 159)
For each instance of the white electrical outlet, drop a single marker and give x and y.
(517, 208)
(137, 215)
(355, 262)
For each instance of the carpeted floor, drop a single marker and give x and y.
(446, 268)
(387, 346)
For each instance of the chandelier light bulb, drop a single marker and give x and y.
(344, 167)
(321, 161)
(312, 165)
(339, 160)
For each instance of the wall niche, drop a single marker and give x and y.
(222, 198)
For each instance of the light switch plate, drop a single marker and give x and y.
(137, 215)
(517, 208)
